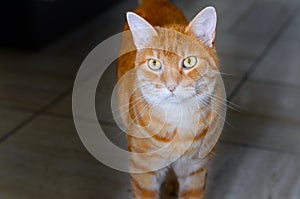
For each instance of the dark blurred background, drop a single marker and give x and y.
(30, 24)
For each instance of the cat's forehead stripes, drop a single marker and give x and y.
(167, 58)
(177, 42)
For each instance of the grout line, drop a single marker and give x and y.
(265, 117)
(16, 108)
(264, 53)
(262, 82)
(43, 73)
(65, 116)
(61, 115)
(274, 83)
(35, 115)
(258, 147)
(275, 118)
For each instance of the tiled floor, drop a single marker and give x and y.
(258, 157)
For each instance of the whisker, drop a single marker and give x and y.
(223, 118)
(210, 94)
(226, 74)
(133, 102)
(126, 105)
(145, 108)
(118, 113)
(220, 98)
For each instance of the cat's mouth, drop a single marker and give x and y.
(172, 98)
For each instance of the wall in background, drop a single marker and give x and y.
(32, 23)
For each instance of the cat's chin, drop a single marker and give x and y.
(173, 99)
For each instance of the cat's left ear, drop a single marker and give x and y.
(141, 30)
(203, 26)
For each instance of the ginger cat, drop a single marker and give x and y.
(173, 96)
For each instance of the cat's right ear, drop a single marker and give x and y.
(141, 30)
(203, 26)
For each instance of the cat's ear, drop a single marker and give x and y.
(203, 26)
(142, 31)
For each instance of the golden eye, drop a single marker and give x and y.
(189, 62)
(154, 64)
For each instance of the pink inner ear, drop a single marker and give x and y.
(142, 31)
(203, 26)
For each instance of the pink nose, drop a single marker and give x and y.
(171, 87)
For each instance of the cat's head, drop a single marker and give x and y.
(174, 63)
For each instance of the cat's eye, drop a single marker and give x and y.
(154, 64)
(189, 62)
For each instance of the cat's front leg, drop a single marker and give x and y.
(192, 180)
(145, 182)
(193, 185)
(146, 185)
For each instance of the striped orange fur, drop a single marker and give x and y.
(166, 97)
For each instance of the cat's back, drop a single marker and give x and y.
(160, 13)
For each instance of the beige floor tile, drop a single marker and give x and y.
(25, 98)
(46, 159)
(249, 173)
(264, 19)
(38, 63)
(230, 16)
(281, 64)
(262, 132)
(36, 70)
(293, 30)
(102, 99)
(241, 46)
(233, 66)
(10, 118)
(30, 92)
(16, 79)
(62, 107)
(230, 84)
(32, 80)
(270, 100)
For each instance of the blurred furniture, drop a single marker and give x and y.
(33, 23)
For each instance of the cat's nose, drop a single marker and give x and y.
(171, 87)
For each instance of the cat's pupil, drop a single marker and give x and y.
(154, 63)
(189, 61)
